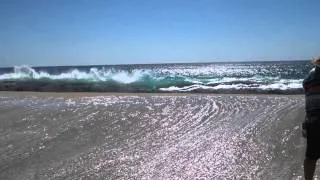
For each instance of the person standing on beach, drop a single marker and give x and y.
(311, 126)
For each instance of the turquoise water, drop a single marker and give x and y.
(252, 77)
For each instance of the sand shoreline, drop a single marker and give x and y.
(150, 136)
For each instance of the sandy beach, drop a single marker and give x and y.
(150, 136)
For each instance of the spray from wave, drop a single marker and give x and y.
(27, 73)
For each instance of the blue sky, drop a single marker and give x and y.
(80, 32)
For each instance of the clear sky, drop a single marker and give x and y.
(80, 32)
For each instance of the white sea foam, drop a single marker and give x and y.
(284, 84)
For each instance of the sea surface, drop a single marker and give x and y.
(281, 77)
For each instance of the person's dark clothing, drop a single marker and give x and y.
(311, 86)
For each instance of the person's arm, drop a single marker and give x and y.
(304, 128)
(306, 86)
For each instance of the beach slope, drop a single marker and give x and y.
(150, 136)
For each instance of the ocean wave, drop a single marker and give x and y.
(145, 80)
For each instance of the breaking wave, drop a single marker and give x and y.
(217, 79)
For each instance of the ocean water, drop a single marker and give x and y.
(247, 77)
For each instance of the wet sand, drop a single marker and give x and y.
(150, 136)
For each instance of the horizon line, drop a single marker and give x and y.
(144, 64)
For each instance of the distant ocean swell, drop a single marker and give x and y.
(279, 78)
